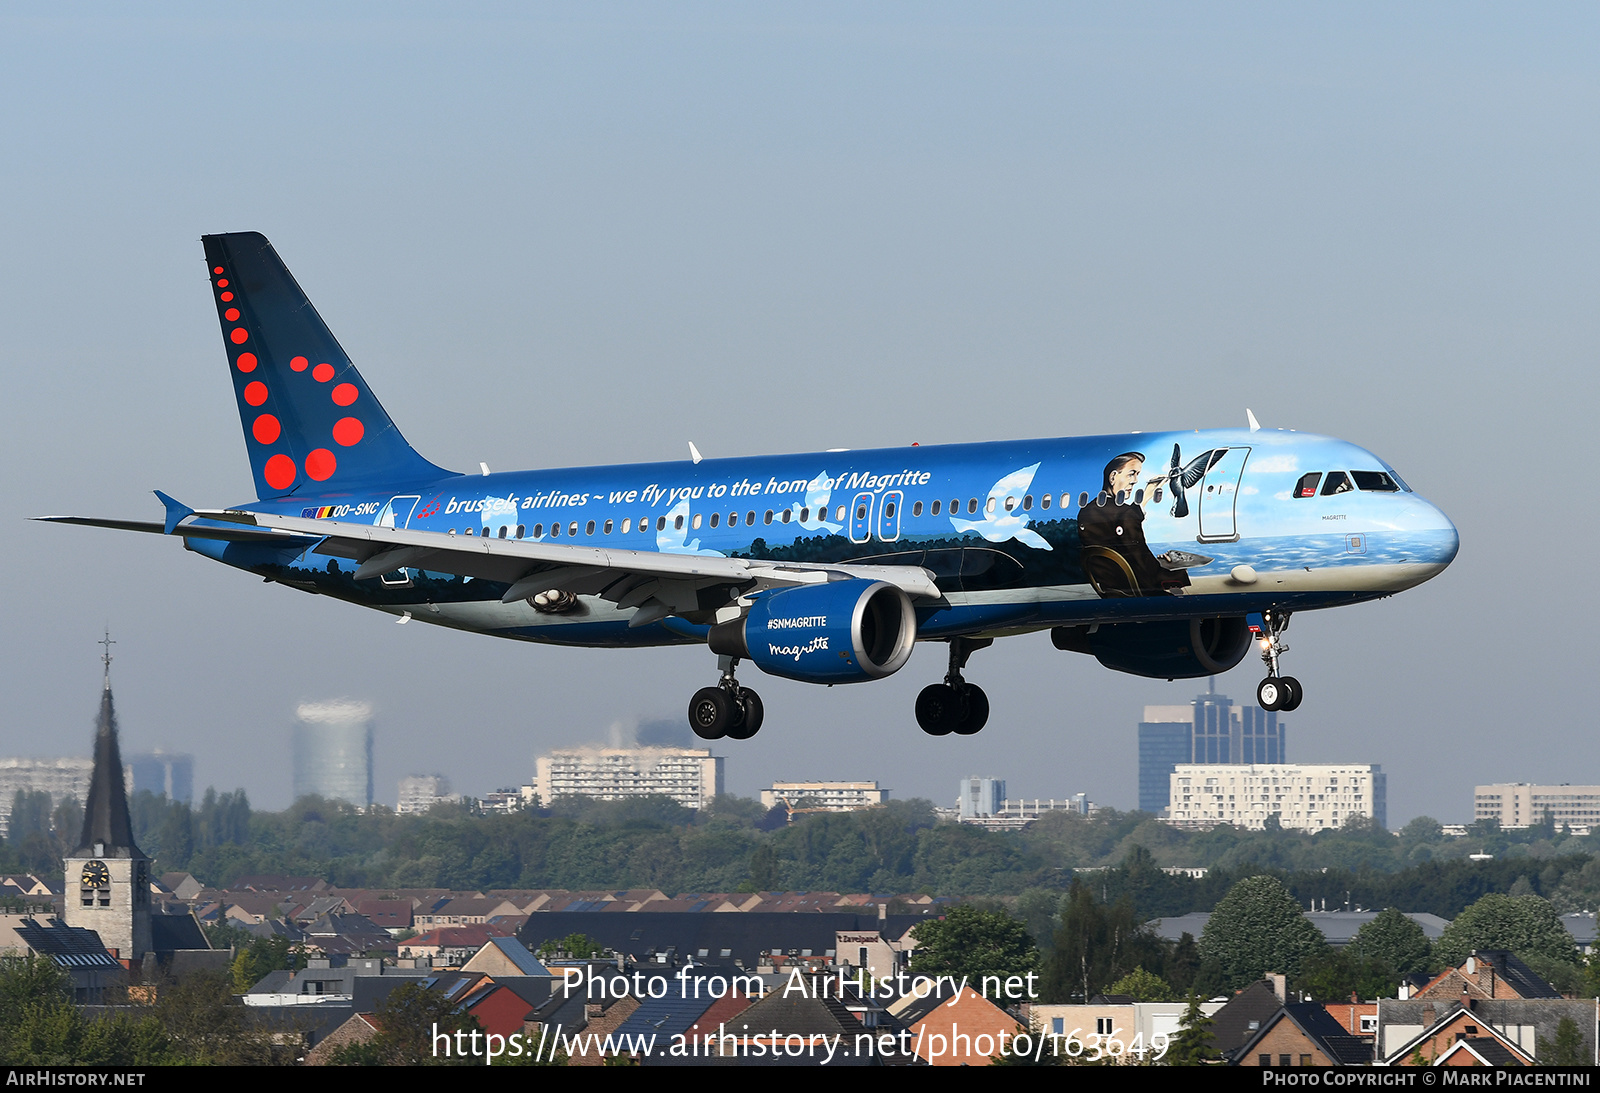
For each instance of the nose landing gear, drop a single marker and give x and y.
(726, 709)
(955, 706)
(1276, 692)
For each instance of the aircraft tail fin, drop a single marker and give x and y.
(310, 421)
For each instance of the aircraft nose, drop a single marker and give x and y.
(1435, 539)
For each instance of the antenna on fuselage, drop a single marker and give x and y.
(1255, 426)
(694, 453)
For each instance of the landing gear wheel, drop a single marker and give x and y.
(1293, 693)
(938, 710)
(713, 714)
(750, 723)
(1272, 693)
(974, 710)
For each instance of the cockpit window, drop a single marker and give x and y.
(1338, 482)
(1375, 481)
(1307, 486)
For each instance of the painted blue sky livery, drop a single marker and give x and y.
(1161, 554)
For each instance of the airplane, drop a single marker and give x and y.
(1167, 555)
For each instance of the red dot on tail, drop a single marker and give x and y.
(279, 472)
(322, 373)
(232, 314)
(226, 296)
(348, 431)
(217, 269)
(255, 392)
(247, 362)
(345, 394)
(222, 283)
(299, 364)
(239, 335)
(266, 429)
(320, 464)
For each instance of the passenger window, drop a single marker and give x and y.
(935, 510)
(1044, 502)
(768, 518)
(861, 512)
(519, 531)
(750, 517)
(1307, 486)
(916, 509)
(502, 531)
(1374, 481)
(733, 519)
(955, 505)
(661, 523)
(677, 523)
(1338, 482)
(608, 527)
(786, 515)
(1083, 499)
(1027, 502)
(588, 529)
(805, 514)
(1138, 496)
(696, 521)
(715, 516)
(627, 525)
(468, 531)
(888, 510)
(989, 506)
(555, 531)
(538, 531)
(972, 506)
(572, 528)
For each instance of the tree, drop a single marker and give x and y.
(973, 943)
(1142, 987)
(1566, 1050)
(407, 1021)
(581, 946)
(1193, 1044)
(1258, 928)
(1096, 945)
(1526, 925)
(1396, 941)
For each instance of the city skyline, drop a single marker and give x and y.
(569, 237)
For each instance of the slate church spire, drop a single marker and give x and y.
(108, 876)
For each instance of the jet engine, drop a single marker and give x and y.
(1179, 649)
(841, 632)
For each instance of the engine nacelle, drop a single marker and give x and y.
(840, 632)
(1180, 649)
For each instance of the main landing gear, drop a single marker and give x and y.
(726, 709)
(1276, 692)
(955, 706)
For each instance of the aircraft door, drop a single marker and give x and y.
(396, 513)
(1219, 493)
(889, 515)
(861, 518)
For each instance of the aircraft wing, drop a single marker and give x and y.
(659, 584)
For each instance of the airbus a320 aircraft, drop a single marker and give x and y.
(1160, 554)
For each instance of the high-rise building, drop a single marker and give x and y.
(827, 796)
(60, 778)
(1211, 729)
(1521, 804)
(159, 771)
(420, 792)
(690, 776)
(1303, 797)
(333, 751)
(982, 796)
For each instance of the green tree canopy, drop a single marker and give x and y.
(1526, 925)
(1095, 946)
(1142, 986)
(973, 943)
(1258, 928)
(1396, 941)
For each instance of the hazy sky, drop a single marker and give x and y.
(589, 233)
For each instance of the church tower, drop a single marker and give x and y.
(108, 877)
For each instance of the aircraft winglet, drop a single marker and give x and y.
(176, 511)
(1255, 426)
